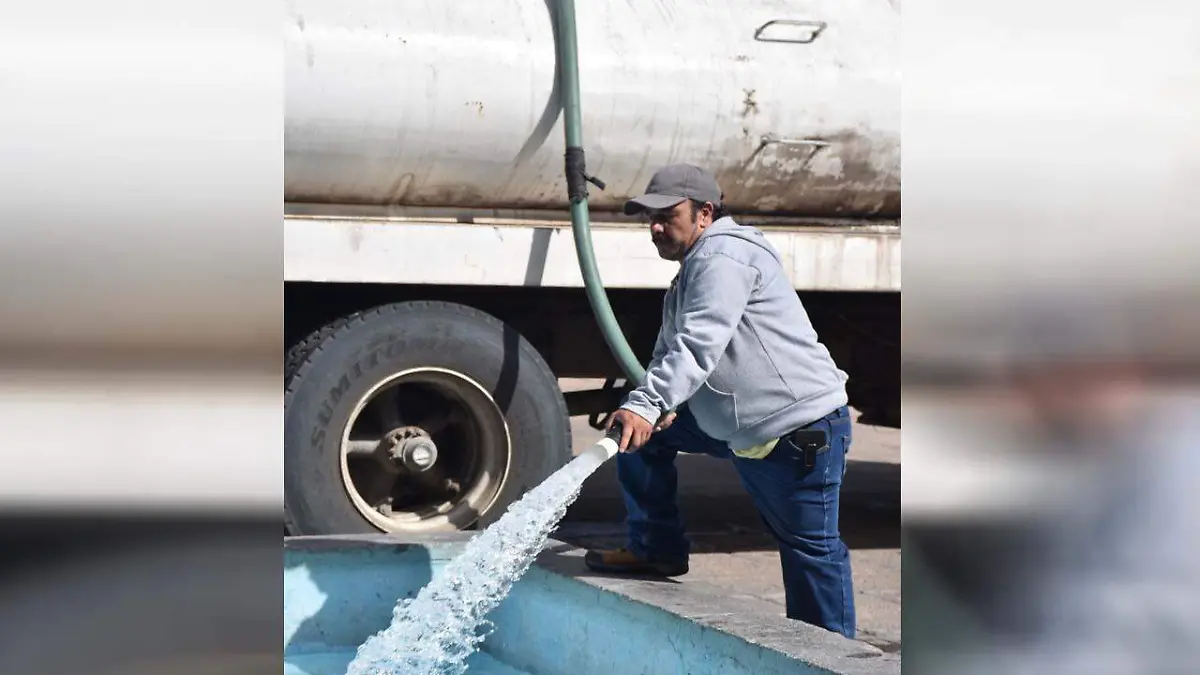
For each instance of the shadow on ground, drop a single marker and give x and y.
(722, 519)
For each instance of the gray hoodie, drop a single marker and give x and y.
(737, 346)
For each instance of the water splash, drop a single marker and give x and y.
(435, 632)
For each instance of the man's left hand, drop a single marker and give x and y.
(635, 430)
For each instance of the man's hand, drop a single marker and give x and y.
(635, 430)
(665, 421)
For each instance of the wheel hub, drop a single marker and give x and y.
(412, 448)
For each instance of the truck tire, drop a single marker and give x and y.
(361, 390)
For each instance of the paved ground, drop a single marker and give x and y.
(732, 548)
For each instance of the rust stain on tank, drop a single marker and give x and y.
(780, 178)
(849, 175)
(749, 105)
(398, 191)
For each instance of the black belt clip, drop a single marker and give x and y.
(810, 442)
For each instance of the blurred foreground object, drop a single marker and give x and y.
(118, 597)
(139, 338)
(1087, 559)
(1051, 337)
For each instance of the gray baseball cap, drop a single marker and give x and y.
(672, 184)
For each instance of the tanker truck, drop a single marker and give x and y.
(433, 295)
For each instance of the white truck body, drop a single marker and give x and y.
(503, 252)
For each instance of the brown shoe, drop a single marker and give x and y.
(624, 561)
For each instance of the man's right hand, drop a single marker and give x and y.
(635, 430)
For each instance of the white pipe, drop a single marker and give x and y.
(604, 450)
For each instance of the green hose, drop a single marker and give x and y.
(577, 179)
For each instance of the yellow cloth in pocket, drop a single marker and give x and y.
(758, 451)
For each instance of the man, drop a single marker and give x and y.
(738, 348)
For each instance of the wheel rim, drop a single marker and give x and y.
(425, 406)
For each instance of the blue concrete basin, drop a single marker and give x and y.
(338, 591)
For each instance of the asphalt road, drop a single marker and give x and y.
(732, 549)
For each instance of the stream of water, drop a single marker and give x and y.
(438, 630)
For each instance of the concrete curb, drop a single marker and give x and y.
(711, 606)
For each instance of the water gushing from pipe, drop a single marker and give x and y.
(435, 632)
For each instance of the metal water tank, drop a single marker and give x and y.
(794, 105)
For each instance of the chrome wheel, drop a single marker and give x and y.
(426, 449)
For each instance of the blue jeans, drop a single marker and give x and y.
(798, 502)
